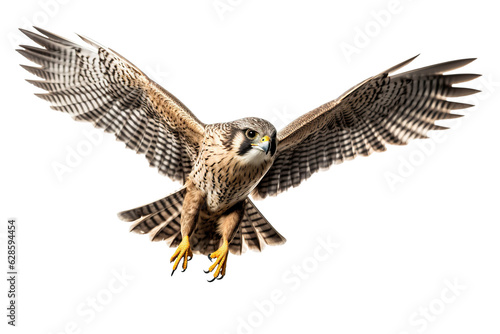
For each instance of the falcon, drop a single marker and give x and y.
(220, 165)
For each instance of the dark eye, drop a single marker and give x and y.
(251, 134)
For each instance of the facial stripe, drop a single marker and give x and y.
(245, 146)
(272, 150)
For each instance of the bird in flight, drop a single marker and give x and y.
(220, 165)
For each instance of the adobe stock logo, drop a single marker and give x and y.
(363, 35)
(222, 7)
(421, 319)
(292, 279)
(47, 10)
(75, 155)
(89, 310)
(424, 149)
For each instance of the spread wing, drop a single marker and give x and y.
(95, 84)
(384, 109)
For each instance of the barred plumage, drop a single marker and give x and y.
(381, 110)
(220, 165)
(101, 87)
(161, 219)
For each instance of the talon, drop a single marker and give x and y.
(206, 271)
(182, 252)
(172, 274)
(219, 266)
(221, 277)
(209, 257)
(210, 281)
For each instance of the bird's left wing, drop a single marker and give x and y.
(384, 109)
(95, 84)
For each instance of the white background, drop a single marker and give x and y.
(399, 246)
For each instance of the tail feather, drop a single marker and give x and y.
(255, 231)
(161, 218)
(250, 235)
(168, 203)
(263, 228)
(236, 246)
(170, 227)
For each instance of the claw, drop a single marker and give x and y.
(182, 252)
(219, 266)
(209, 257)
(211, 280)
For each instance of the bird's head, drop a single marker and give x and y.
(253, 139)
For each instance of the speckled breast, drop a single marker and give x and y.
(223, 176)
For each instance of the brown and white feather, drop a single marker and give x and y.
(384, 109)
(95, 84)
(216, 162)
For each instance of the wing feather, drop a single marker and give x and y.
(95, 84)
(384, 109)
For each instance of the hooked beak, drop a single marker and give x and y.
(263, 145)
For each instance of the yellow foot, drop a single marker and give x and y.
(220, 263)
(183, 251)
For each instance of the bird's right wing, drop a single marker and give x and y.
(95, 84)
(383, 109)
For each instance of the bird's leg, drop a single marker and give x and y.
(183, 251)
(190, 210)
(226, 227)
(221, 262)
